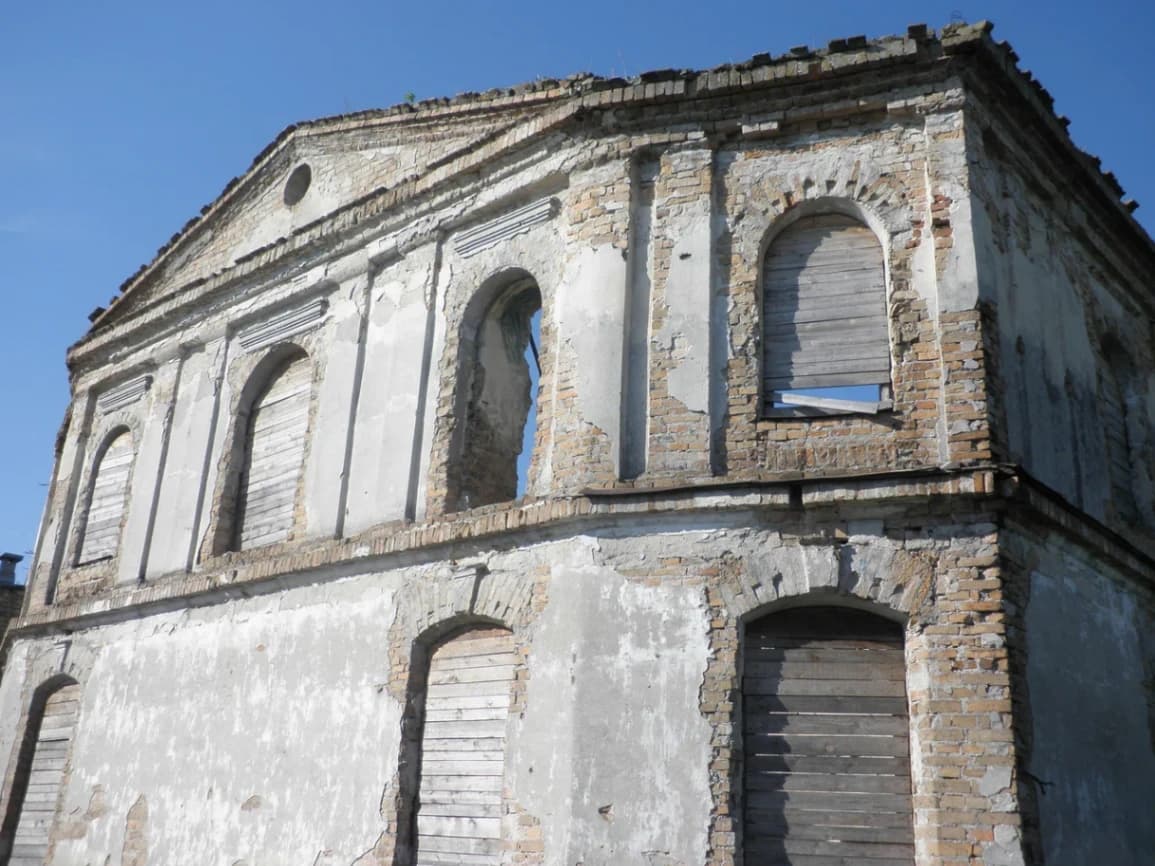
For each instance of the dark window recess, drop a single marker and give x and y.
(298, 184)
(502, 381)
(825, 732)
(826, 344)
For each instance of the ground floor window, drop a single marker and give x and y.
(825, 731)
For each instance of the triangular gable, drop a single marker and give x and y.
(310, 171)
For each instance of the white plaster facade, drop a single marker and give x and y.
(255, 702)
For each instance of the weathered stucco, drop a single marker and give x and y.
(1089, 666)
(264, 706)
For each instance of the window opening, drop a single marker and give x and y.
(533, 361)
(278, 426)
(461, 696)
(106, 501)
(825, 732)
(826, 345)
(1114, 394)
(40, 774)
(501, 420)
(851, 398)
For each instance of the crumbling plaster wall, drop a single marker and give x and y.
(266, 730)
(1058, 284)
(1084, 651)
(185, 414)
(387, 345)
(905, 178)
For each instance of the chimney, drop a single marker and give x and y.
(8, 568)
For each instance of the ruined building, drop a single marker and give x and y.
(296, 601)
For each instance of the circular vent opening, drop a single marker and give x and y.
(298, 184)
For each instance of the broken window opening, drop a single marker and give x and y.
(501, 419)
(837, 399)
(530, 430)
(826, 344)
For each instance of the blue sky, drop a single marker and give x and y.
(121, 119)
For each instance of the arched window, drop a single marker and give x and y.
(106, 500)
(502, 384)
(464, 702)
(825, 739)
(1115, 386)
(40, 773)
(826, 344)
(274, 455)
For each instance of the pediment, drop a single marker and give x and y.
(309, 172)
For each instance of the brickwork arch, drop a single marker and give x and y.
(888, 582)
(441, 605)
(493, 399)
(766, 195)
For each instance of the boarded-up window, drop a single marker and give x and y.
(45, 776)
(101, 537)
(824, 307)
(463, 749)
(1114, 384)
(274, 457)
(826, 741)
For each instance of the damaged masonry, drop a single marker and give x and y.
(746, 466)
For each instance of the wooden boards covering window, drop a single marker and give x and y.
(826, 742)
(824, 307)
(275, 454)
(45, 778)
(463, 749)
(1113, 413)
(101, 537)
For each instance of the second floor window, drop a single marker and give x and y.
(274, 456)
(107, 498)
(825, 340)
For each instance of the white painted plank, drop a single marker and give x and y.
(46, 776)
(445, 825)
(109, 493)
(275, 450)
(463, 749)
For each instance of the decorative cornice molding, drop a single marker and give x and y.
(123, 395)
(283, 325)
(472, 241)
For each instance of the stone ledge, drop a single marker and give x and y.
(278, 567)
(269, 569)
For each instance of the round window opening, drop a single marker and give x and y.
(298, 184)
